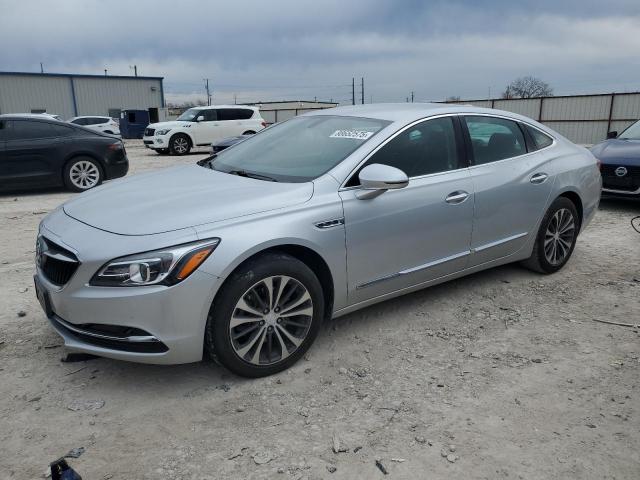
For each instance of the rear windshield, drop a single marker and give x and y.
(300, 149)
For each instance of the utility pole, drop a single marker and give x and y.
(235, 99)
(135, 70)
(353, 90)
(206, 86)
(41, 68)
(105, 72)
(362, 85)
(411, 97)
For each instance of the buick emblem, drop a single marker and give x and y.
(621, 171)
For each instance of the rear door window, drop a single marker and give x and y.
(28, 130)
(494, 139)
(234, 113)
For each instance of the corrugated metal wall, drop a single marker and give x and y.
(20, 93)
(275, 115)
(95, 96)
(583, 119)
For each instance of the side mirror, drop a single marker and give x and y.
(613, 134)
(200, 118)
(376, 179)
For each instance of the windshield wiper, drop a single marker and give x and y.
(244, 173)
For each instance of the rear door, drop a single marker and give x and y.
(33, 153)
(512, 186)
(2, 149)
(232, 120)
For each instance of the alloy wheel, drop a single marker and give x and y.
(559, 237)
(271, 320)
(84, 174)
(180, 145)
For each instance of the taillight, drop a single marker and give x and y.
(599, 163)
(264, 124)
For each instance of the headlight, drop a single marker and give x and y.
(167, 266)
(164, 131)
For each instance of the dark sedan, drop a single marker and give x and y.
(620, 159)
(220, 145)
(42, 152)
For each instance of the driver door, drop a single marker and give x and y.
(421, 232)
(204, 130)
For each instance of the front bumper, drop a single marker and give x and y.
(151, 324)
(173, 317)
(155, 143)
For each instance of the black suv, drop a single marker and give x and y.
(37, 152)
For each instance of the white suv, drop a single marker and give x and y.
(200, 126)
(101, 124)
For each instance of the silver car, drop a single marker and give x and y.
(243, 257)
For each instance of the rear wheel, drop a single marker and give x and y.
(179, 144)
(266, 316)
(249, 132)
(556, 237)
(82, 173)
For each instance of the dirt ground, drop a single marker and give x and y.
(500, 375)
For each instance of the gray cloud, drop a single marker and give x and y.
(300, 49)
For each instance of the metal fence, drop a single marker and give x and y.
(280, 115)
(583, 119)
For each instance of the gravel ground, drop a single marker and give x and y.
(503, 374)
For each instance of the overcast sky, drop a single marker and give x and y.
(299, 49)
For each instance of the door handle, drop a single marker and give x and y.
(538, 178)
(457, 197)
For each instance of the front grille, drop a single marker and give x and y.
(629, 182)
(57, 263)
(148, 132)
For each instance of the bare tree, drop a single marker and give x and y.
(527, 87)
(453, 98)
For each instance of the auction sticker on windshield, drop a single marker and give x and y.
(357, 134)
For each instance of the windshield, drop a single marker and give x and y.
(189, 115)
(632, 133)
(299, 149)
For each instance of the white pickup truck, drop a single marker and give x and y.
(200, 126)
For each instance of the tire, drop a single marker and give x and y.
(179, 144)
(82, 173)
(551, 256)
(242, 299)
(249, 132)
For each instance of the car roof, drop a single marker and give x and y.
(208, 107)
(33, 116)
(91, 116)
(408, 112)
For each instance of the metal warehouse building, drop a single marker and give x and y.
(70, 95)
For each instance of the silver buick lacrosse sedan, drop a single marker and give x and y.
(243, 256)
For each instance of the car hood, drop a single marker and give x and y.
(178, 198)
(173, 124)
(618, 151)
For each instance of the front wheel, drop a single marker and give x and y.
(82, 173)
(556, 237)
(266, 316)
(179, 144)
